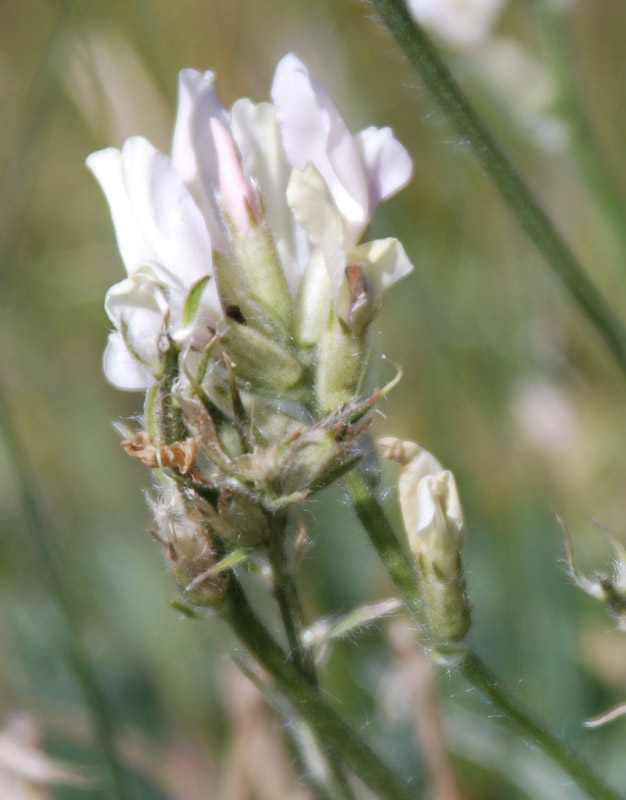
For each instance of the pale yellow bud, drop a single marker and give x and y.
(435, 527)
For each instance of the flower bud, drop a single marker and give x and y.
(609, 589)
(433, 518)
(189, 553)
(313, 460)
(340, 361)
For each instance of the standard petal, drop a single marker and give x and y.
(166, 213)
(314, 130)
(193, 150)
(134, 246)
(387, 164)
(121, 369)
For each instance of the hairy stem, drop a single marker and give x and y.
(288, 600)
(384, 539)
(529, 725)
(435, 75)
(457, 656)
(328, 726)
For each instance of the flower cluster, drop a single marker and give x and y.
(244, 313)
(253, 227)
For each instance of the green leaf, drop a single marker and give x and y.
(192, 303)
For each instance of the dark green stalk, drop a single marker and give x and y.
(582, 139)
(78, 659)
(530, 726)
(278, 704)
(288, 600)
(327, 725)
(435, 75)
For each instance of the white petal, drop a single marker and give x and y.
(139, 307)
(313, 303)
(256, 132)
(121, 369)
(439, 526)
(386, 262)
(314, 130)
(166, 213)
(315, 211)
(193, 150)
(136, 293)
(134, 246)
(387, 164)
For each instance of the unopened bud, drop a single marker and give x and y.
(433, 518)
(340, 363)
(189, 554)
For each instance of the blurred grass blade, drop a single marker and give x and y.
(435, 75)
(58, 590)
(584, 146)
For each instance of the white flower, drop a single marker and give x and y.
(166, 249)
(337, 181)
(463, 23)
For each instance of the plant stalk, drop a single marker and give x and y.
(327, 724)
(458, 656)
(531, 216)
(290, 607)
(529, 725)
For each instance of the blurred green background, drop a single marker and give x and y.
(504, 381)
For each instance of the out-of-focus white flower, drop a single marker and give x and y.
(462, 23)
(524, 89)
(547, 417)
(26, 771)
(251, 202)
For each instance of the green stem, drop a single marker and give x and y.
(384, 540)
(435, 75)
(78, 659)
(328, 726)
(529, 725)
(471, 667)
(583, 142)
(288, 600)
(275, 700)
